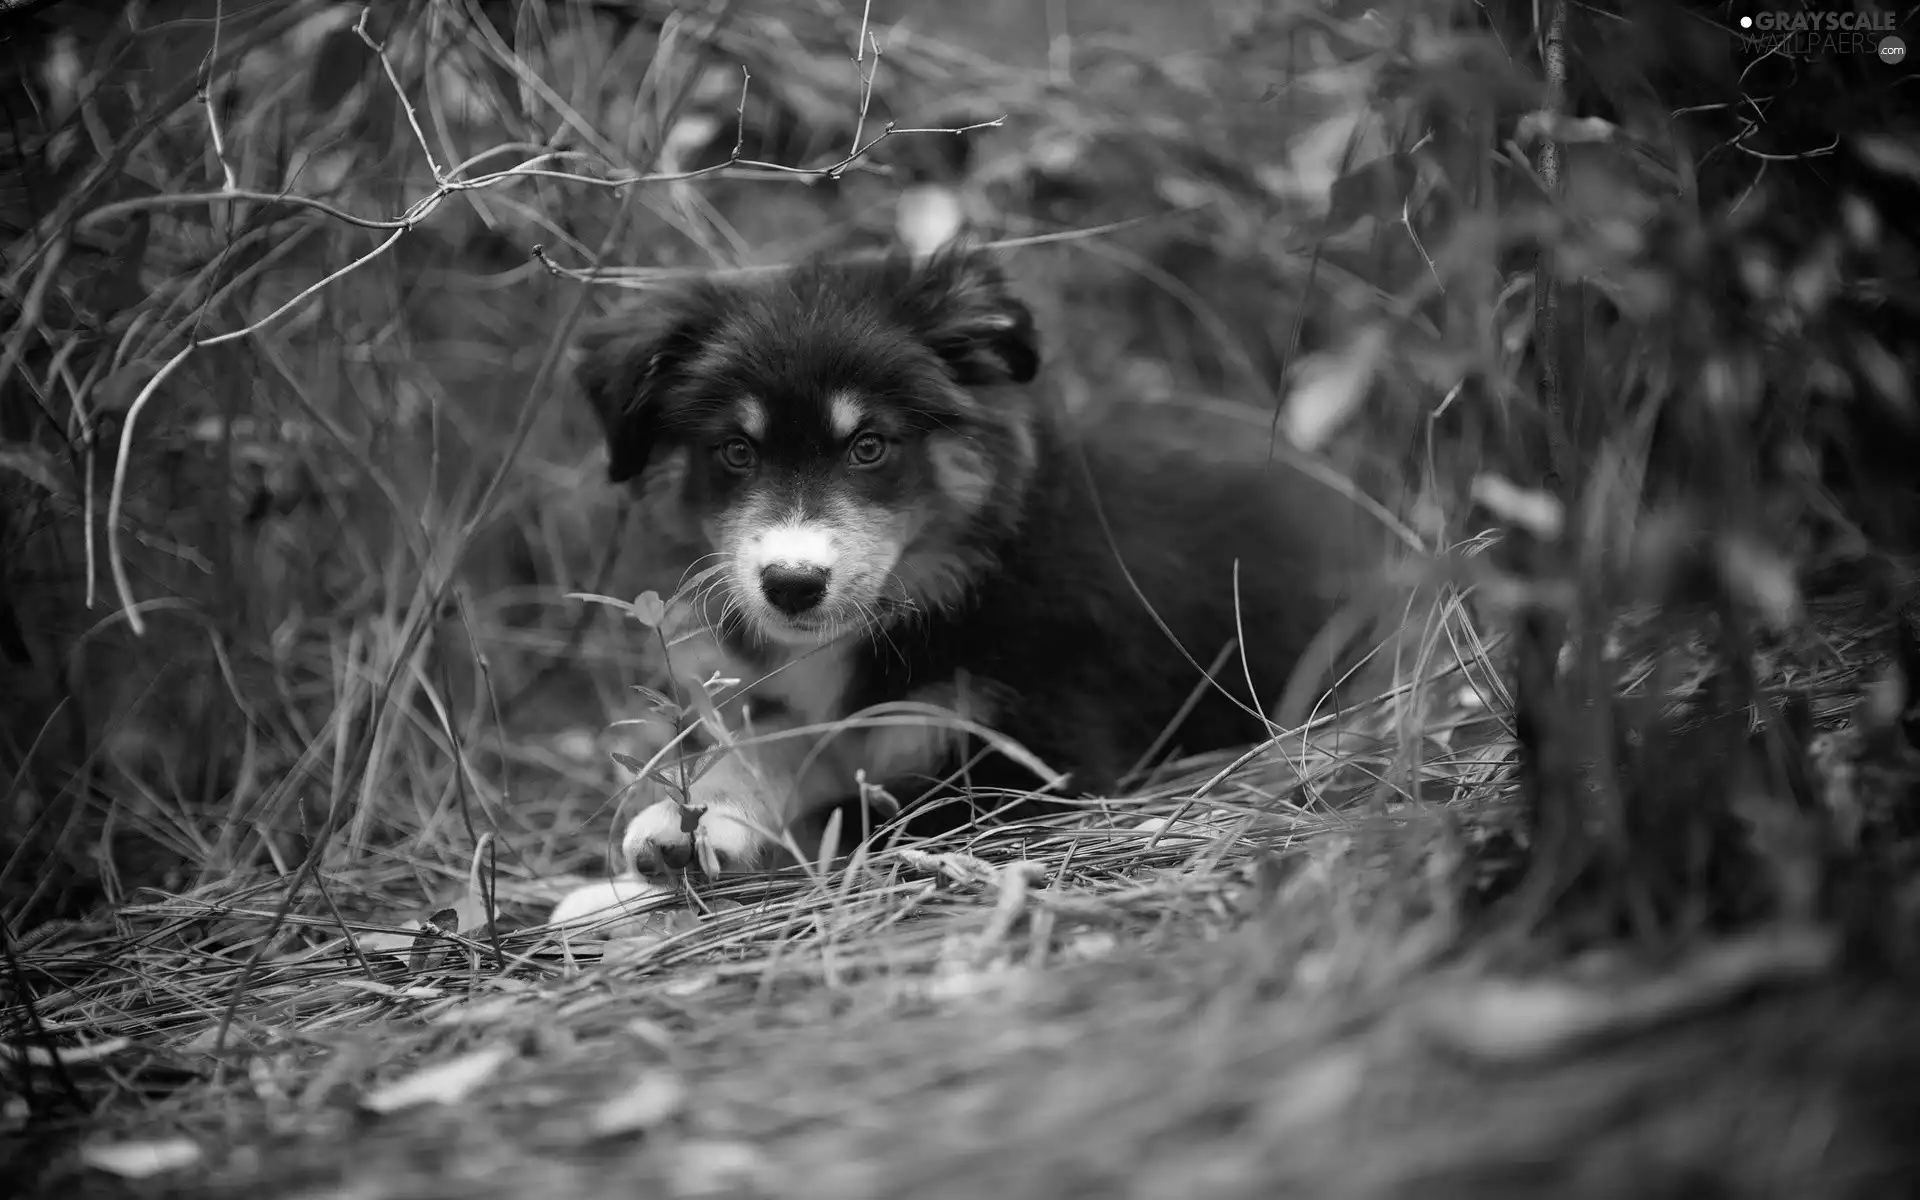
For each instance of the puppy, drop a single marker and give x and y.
(891, 512)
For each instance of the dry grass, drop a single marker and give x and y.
(295, 497)
(1082, 1010)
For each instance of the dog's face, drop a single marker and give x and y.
(837, 436)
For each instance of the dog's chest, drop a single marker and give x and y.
(814, 688)
(822, 687)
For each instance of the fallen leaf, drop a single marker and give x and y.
(428, 950)
(387, 989)
(714, 1168)
(141, 1160)
(1093, 944)
(1164, 831)
(956, 867)
(1514, 1021)
(442, 1083)
(1315, 1093)
(654, 1034)
(650, 1101)
(688, 985)
(481, 1012)
(42, 1056)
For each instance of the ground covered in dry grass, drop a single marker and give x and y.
(303, 739)
(1288, 1002)
(1177, 1065)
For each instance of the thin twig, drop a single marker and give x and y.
(228, 178)
(863, 74)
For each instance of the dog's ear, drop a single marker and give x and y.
(959, 303)
(627, 362)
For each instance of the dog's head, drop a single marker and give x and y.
(840, 436)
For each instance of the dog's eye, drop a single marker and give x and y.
(737, 454)
(867, 449)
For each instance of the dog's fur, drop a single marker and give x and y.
(984, 561)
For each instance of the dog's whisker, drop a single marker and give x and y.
(695, 573)
(881, 629)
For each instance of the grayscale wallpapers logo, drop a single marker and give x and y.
(1820, 34)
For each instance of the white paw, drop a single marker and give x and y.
(610, 901)
(665, 839)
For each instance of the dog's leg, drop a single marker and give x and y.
(745, 803)
(783, 779)
(776, 779)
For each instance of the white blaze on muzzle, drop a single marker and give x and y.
(792, 546)
(790, 569)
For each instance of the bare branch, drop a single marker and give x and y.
(740, 116)
(641, 278)
(864, 74)
(399, 92)
(1546, 288)
(227, 176)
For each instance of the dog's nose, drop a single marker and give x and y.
(794, 590)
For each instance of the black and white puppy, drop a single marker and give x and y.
(893, 513)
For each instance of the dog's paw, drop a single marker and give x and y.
(609, 908)
(665, 839)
